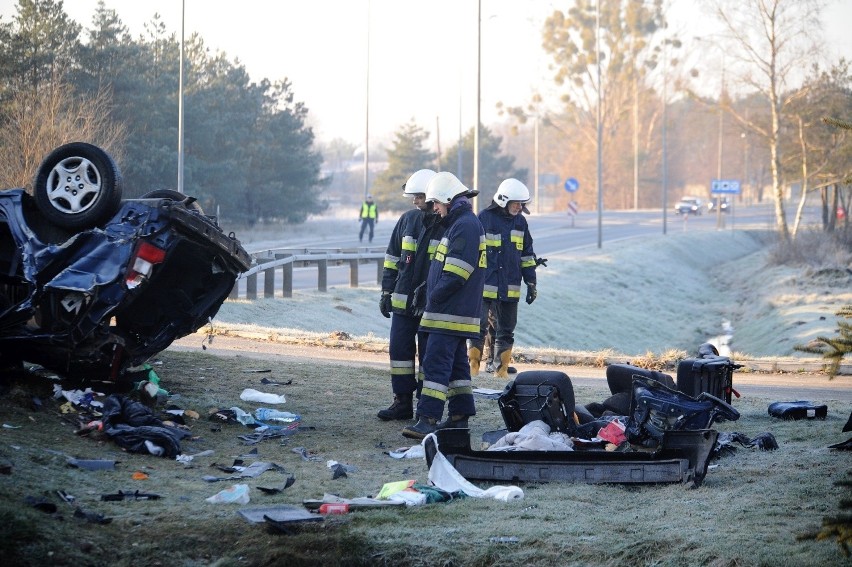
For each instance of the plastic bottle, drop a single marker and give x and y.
(334, 508)
(274, 415)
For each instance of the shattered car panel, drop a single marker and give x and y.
(89, 303)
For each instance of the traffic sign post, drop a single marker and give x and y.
(573, 207)
(723, 187)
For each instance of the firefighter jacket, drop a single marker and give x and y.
(509, 249)
(369, 210)
(456, 275)
(412, 245)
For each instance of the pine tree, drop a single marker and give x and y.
(834, 349)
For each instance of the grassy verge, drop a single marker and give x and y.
(752, 509)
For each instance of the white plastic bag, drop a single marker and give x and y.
(236, 494)
(251, 395)
(443, 475)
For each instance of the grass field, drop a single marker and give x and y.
(754, 507)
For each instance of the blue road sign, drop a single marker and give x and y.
(571, 185)
(731, 186)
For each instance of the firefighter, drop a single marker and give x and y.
(369, 216)
(453, 306)
(407, 258)
(511, 259)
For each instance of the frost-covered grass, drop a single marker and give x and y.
(649, 295)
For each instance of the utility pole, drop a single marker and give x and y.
(599, 116)
(719, 157)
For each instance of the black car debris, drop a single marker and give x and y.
(663, 429)
(92, 284)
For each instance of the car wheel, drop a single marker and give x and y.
(77, 186)
(189, 202)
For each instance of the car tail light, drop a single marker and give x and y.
(142, 263)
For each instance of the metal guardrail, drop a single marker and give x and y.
(268, 261)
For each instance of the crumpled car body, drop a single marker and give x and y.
(88, 303)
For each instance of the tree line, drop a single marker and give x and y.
(765, 125)
(248, 152)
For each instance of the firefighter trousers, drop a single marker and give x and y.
(446, 378)
(503, 315)
(406, 348)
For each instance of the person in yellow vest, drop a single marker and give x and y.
(369, 217)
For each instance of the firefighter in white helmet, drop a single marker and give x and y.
(511, 260)
(453, 305)
(411, 247)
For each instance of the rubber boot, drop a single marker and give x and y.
(475, 357)
(401, 408)
(488, 353)
(453, 422)
(505, 357)
(423, 427)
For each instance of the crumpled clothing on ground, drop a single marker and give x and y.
(534, 436)
(130, 424)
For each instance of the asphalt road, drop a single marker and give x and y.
(553, 233)
(781, 386)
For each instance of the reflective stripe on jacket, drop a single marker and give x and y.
(411, 247)
(456, 275)
(509, 249)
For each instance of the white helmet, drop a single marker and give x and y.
(418, 181)
(511, 190)
(443, 187)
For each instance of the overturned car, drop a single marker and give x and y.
(90, 283)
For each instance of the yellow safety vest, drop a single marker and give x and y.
(368, 211)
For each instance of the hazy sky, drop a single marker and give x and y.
(422, 53)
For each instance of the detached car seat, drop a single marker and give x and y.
(545, 395)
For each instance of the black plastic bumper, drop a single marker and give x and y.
(683, 457)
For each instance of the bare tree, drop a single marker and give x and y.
(629, 50)
(36, 122)
(773, 42)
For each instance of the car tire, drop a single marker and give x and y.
(78, 186)
(189, 203)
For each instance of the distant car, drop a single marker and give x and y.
(688, 206)
(725, 204)
(91, 284)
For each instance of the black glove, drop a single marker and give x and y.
(418, 300)
(532, 293)
(541, 262)
(385, 304)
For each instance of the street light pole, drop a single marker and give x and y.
(478, 101)
(367, 112)
(665, 133)
(180, 100)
